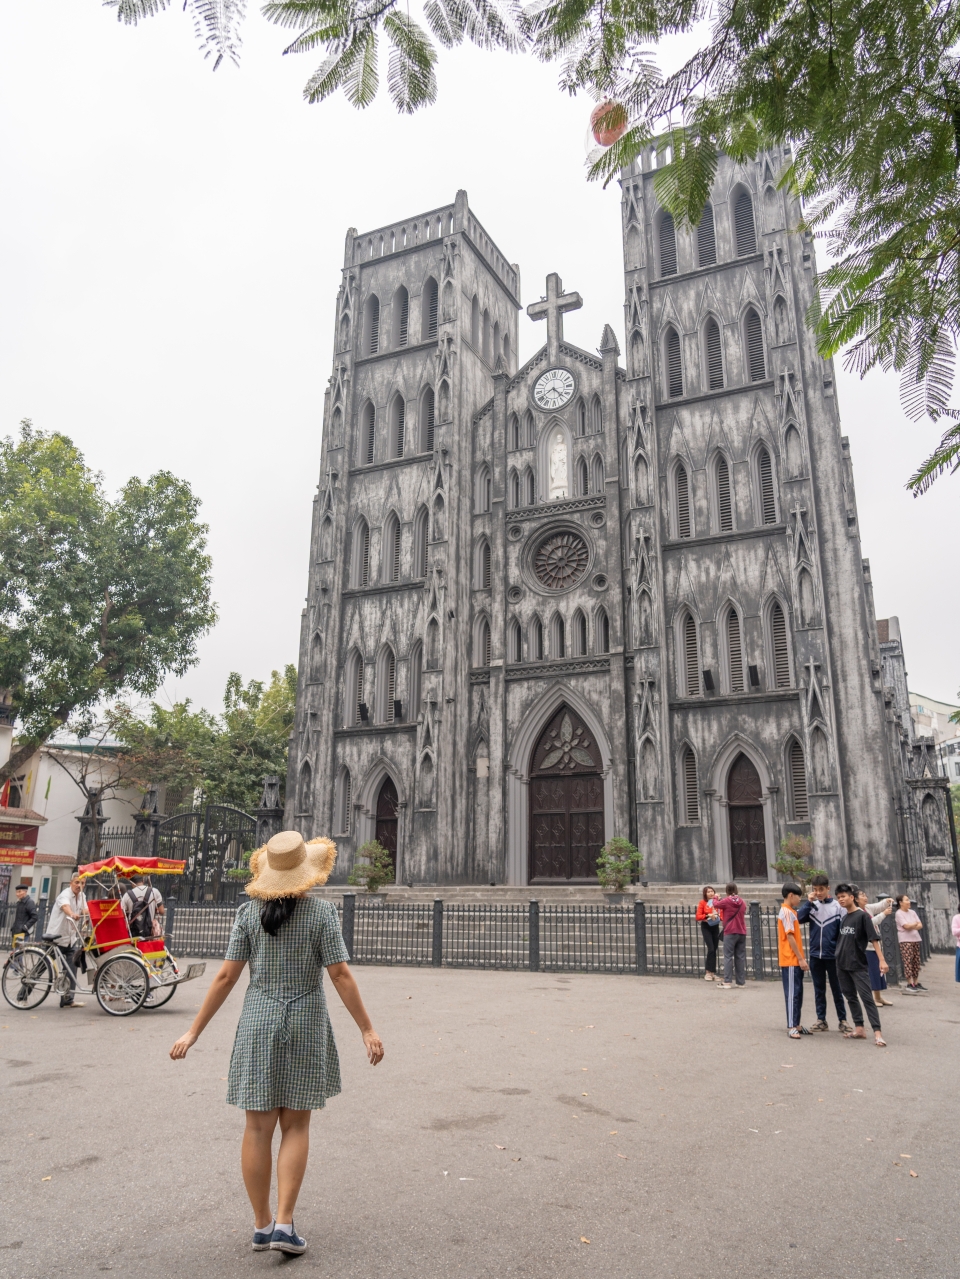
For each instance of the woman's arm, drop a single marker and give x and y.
(347, 989)
(220, 988)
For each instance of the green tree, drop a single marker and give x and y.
(856, 101)
(97, 597)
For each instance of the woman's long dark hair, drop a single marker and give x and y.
(275, 913)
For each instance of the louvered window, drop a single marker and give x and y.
(420, 543)
(781, 659)
(514, 489)
(390, 692)
(363, 555)
(483, 643)
(373, 326)
(724, 499)
(427, 419)
(429, 326)
(798, 783)
(580, 633)
(603, 632)
(514, 431)
(756, 365)
(714, 356)
(683, 501)
(706, 239)
(347, 802)
(416, 666)
(768, 501)
(402, 323)
(359, 690)
(537, 640)
(395, 550)
(558, 638)
(691, 663)
(668, 246)
(691, 798)
(743, 225)
(484, 566)
(369, 432)
(400, 414)
(516, 651)
(674, 365)
(581, 418)
(735, 651)
(596, 415)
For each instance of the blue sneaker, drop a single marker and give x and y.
(282, 1242)
(261, 1238)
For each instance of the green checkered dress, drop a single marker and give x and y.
(284, 1053)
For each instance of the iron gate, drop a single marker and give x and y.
(211, 843)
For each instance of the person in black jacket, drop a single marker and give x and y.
(26, 913)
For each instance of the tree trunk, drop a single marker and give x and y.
(20, 755)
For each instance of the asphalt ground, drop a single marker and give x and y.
(521, 1124)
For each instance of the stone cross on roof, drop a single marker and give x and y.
(552, 308)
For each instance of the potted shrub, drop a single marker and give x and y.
(618, 863)
(373, 869)
(793, 859)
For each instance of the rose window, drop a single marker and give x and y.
(561, 561)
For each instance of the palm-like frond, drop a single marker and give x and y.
(133, 11)
(216, 24)
(410, 76)
(946, 455)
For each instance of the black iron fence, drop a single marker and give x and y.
(639, 938)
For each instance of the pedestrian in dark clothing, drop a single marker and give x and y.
(733, 912)
(26, 912)
(857, 933)
(824, 914)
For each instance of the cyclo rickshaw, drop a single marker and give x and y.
(127, 973)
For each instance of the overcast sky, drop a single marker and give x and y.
(171, 246)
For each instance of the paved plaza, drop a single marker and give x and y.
(516, 1117)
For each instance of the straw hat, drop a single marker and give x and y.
(286, 865)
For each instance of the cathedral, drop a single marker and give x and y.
(602, 593)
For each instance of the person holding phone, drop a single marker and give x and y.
(708, 918)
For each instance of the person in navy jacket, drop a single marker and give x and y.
(823, 913)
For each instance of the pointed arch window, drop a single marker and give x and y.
(514, 489)
(482, 650)
(353, 695)
(433, 644)
(580, 473)
(744, 227)
(724, 495)
(484, 494)
(397, 425)
(428, 410)
(734, 652)
(778, 643)
(428, 309)
(668, 246)
(681, 485)
(689, 657)
(689, 788)
(579, 634)
(305, 789)
(714, 351)
(536, 640)
(401, 317)
(530, 487)
(344, 332)
(514, 642)
(487, 335)
(326, 539)
(798, 782)
(644, 618)
(344, 812)
(360, 568)
(369, 432)
(482, 570)
(475, 323)
(706, 238)
(336, 428)
(674, 364)
(506, 350)
(603, 631)
(597, 476)
(753, 330)
(371, 317)
(391, 549)
(420, 542)
(386, 685)
(768, 498)
(513, 432)
(416, 677)
(581, 418)
(438, 524)
(596, 415)
(529, 430)
(558, 638)
(641, 479)
(793, 452)
(316, 655)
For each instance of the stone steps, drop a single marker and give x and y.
(654, 894)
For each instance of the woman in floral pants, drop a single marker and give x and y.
(908, 935)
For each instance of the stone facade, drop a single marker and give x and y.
(552, 604)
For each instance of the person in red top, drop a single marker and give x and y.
(709, 921)
(732, 910)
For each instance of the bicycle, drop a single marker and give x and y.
(34, 969)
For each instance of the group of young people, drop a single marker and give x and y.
(844, 944)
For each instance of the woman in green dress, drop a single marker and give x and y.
(284, 1063)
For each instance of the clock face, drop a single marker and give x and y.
(553, 389)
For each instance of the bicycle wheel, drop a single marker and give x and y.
(27, 978)
(122, 985)
(160, 995)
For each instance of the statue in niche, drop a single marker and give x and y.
(558, 468)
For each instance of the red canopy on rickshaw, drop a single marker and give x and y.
(125, 866)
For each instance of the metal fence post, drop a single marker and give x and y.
(891, 949)
(41, 919)
(349, 915)
(436, 954)
(756, 941)
(168, 921)
(640, 936)
(534, 936)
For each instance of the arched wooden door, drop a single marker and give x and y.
(566, 802)
(387, 821)
(748, 845)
